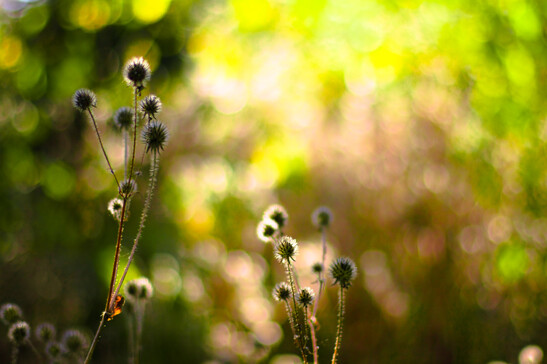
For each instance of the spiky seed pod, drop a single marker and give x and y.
(45, 332)
(84, 99)
(139, 288)
(281, 292)
(286, 249)
(266, 230)
(150, 106)
(317, 268)
(305, 297)
(343, 271)
(10, 313)
(115, 208)
(136, 72)
(128, 187)
(74, 341)
(155, 135)
(278, 214)
(19, 332)
(53, 350)
(321, 217)
(123, 118)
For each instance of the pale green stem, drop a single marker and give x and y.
(296, 319)
(95, 339)
(339, 329)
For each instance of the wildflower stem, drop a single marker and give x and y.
(124, 154)
(298, 330)
(102, 147)
(135, 122)
(140, 317)
(340, 323)
(321, 276)
(95, 339)
(151, 186)
(111, 298)
(14, 354)
(313, 339)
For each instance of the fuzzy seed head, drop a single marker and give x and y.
(321, 217)
(155, 135)
(128, 187)
(266, 230)
(10, 313)
(84, 99)
(115, 208)
(278, 214)
(281, 292)
(150, 106)
(286, 249)
(53, 350)
(317, 268)
(74, 341)
(139, 288)
(305, 297)
(343, 271)
(136, 72)
(123, 118)
(45, 332)
(19, 332)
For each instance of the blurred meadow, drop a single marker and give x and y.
(422, 124)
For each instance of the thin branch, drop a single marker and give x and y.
(102, 147)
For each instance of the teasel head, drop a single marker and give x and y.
(266, 230)
(281, 292)
(19, 332)
(278, 214)
(343, 271)
(154, 136)
(45, 332)
(123, 118)
(137, 72)
(53, 350)
(10, 313)
(150, 106)
(84, 99)
(305, 297)
(128, 188)
(73, 341)
(317, 268)
(321, 217)
(286, 249)
(139, 289)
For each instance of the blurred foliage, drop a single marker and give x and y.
(421, 124)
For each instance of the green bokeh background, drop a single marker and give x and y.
(421, 124)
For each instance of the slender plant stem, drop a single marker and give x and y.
(102, 147)
(131, 339)
(140, 317)
(34, 350)
(313, 340)
(14, 354)
(135, 123)
(298, 329)
(321, 277)
(339, 329)
(124, 154)
(149, 193)
(291, 320)
(95, 339)
(111, 298)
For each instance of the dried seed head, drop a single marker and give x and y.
(266, 230)
(317, 267)
(84, 99)
(10, 313)
(321, 217)
(45, 332)
(286, 249)
(343, 271)
(74, 341)
(278, 214)
(115, 208)
(128, 187)
(19, 332)
(150, 106)
(155, 135)
(140, 288)
(136, 72)
(53, 350)
(123, 118)
(281, 292)
(305, 297)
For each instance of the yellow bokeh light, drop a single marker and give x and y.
(11, 50)
(90, 15)
(150, 11)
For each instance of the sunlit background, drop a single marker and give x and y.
(421, 124)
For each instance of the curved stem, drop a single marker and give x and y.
(339, 329)
(95, 339)
(111, 298)
(313, 339)
(102, 147)
(144, 215)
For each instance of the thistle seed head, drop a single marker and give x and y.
(136, 72)
(84, 99)
(115, 208)
(321, 217)
(10, 313)
(45, 332)
(286, 249)
(281, 292)
(317, 267)
(128, 187)
(266, 230)
(140, 288)
(19, 332)
(278, 214)
(150, 106)
(305, 297)
(74, 341)
(343, 271)
(123, 118)
(155, 135)
(53, 350)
